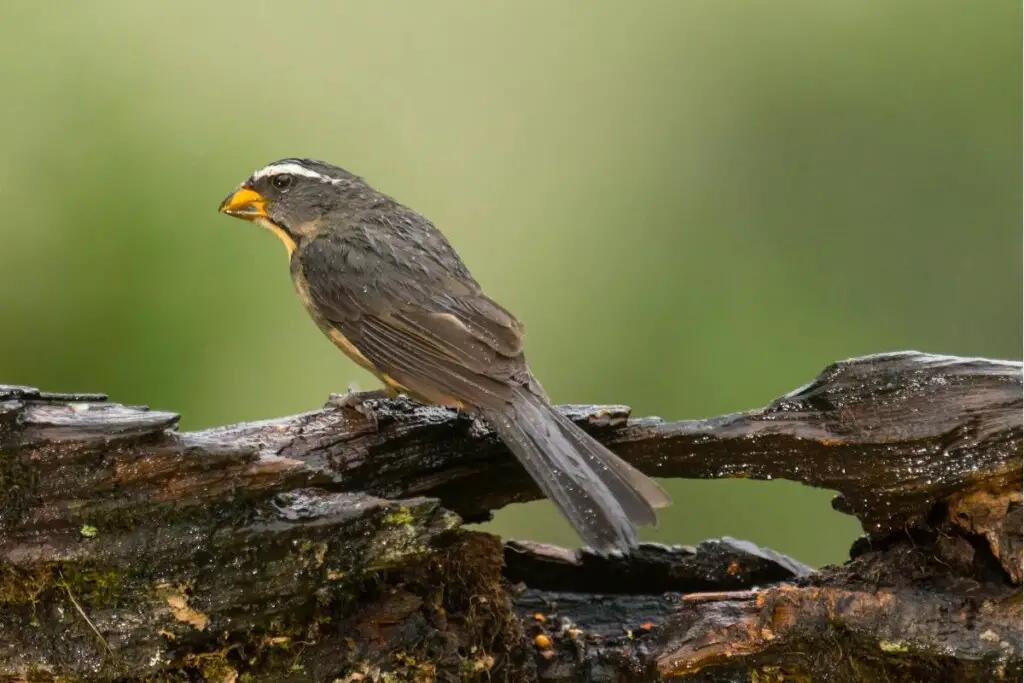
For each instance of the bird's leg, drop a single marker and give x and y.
(353, 397)
(357, 401)
(478, 427)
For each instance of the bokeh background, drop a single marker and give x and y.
(694, 206)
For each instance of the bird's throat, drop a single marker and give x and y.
(286, 238)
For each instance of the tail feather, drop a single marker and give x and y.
(639, 495)
(603, 497)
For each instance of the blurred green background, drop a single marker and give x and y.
(694, 206)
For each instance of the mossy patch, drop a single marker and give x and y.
(401, 516)
(894, 646)
(213, 666)
(93, 586)
(23, 586)
(431, 605)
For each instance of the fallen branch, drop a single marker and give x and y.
(328, 545)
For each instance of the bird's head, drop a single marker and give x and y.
(292, 197)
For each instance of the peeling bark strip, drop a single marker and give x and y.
(328, 546)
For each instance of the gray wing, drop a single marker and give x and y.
(414, 311)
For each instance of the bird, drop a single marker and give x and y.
(388, 289)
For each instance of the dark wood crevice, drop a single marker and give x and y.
(328, 545)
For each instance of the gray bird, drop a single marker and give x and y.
(390, 291)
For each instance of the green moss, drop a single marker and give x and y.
(96, 587)
(393, 548)
(218, 670)
(894, 646)
(401, 516)
(396, 540)
(21, 586)
(213, 666)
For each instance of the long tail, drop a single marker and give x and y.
(602, 496)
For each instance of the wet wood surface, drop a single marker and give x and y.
(328, 546)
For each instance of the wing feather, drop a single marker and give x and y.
(439, 337)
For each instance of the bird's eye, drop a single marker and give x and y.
(282, 181)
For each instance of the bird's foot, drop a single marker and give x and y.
(359, 401)
(478, 428)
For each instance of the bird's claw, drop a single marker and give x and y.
(358, 401)
(478, 428)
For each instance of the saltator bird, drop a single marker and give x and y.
(389, 290)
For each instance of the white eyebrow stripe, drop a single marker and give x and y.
(293, 169)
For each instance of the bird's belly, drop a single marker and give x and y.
(395, 387)
(339, 339)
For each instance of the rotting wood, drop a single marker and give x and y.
(328, 545)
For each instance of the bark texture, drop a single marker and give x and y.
(328, 546)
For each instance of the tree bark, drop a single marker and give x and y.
(328, 546)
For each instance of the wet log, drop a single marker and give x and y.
(328, 546)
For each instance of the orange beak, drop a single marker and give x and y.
(245, 203)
